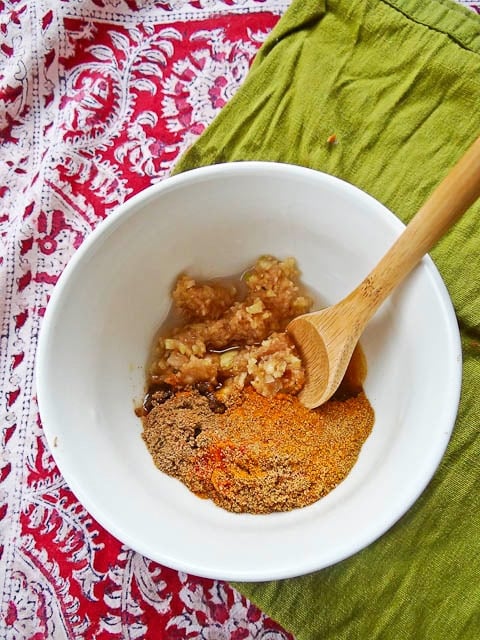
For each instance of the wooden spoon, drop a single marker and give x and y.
(326, 339)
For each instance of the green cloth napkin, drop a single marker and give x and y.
(398, 83)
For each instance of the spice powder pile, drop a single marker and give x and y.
(251, 449)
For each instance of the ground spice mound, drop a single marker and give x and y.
(263, 454)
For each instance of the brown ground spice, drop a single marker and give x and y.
(263, 454)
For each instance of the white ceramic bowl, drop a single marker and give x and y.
(113, 296)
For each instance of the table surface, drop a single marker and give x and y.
(98, 100)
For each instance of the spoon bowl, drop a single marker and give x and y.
(318, 335)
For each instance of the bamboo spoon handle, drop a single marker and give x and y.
(453, 196)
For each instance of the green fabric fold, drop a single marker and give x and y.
(398, 83)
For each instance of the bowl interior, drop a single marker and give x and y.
(114, 295)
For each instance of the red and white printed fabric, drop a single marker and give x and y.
(97, 100)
